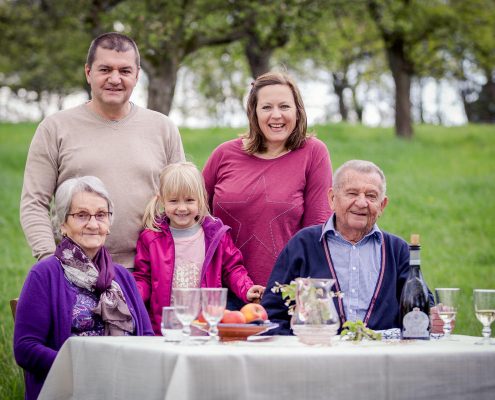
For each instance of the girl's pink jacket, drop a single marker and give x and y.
(155, 261)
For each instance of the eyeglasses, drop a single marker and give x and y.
(84, 217)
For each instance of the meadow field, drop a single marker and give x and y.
(441, 184)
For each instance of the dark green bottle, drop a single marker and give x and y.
(414, 302)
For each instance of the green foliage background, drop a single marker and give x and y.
(225, 42)
(440, 185)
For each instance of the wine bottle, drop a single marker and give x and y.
(414, 302)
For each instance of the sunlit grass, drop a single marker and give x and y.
(440, 184)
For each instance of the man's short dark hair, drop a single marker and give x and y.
(112, 41)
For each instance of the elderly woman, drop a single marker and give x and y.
(78, 291)
(272, 181)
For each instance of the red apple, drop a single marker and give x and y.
(201, 318)
(254, 312)
(233, 317)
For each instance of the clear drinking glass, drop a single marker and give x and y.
(187, 303)
(213, 303)
(170, 327)
(447, 303)
(484, 308)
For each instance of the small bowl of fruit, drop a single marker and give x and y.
(250, 320)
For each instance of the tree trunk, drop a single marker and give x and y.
(481, 110)
(258, 57)
(96, 9)
(402, 68)
(463, 92)
(339, 84)
(161, 86)
(421, 109)
(358, 107)
(60, 100)
(485, 105)
(41, 106)
(438, 102)
(402, 74)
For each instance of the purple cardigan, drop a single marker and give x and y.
(155, 262)
(44, 317)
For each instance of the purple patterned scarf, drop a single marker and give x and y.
(97, 276)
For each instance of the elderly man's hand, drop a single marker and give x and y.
(437, 322)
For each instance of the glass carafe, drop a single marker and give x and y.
(315, 320)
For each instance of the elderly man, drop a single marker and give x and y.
(126, 146)
(370, 266)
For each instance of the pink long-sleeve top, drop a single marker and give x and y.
(266, 201)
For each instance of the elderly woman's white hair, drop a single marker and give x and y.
(66, 192)
(362, 166)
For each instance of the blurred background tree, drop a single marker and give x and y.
(360, 50)
(343, 46)
(43, 52)
(473, 49)
(404, 25)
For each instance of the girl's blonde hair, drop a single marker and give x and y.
(179, 179)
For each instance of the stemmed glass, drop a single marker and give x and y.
(447, 301)
(213, 303)
(484, 307)
(187, 303)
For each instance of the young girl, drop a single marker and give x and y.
(183, 246)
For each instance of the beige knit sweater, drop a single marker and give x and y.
(127, 155)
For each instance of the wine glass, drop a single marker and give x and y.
(170, 326)
(213, 303)
(187, 303)
(484, 307)
(447, 300)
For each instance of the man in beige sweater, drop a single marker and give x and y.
(126, 146)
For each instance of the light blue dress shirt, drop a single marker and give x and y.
(357, 267)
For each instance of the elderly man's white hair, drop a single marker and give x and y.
(363, 166)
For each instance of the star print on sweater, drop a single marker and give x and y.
(260, 213)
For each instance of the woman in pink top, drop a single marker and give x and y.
(272, 181)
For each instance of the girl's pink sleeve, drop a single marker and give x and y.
(234, 274)
(142, 268)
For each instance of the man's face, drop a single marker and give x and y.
(112, 77)
(357, 204)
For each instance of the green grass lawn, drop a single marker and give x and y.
(440, 184)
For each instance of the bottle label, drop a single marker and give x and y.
(415, 325)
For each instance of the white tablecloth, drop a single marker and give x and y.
(142, 368)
